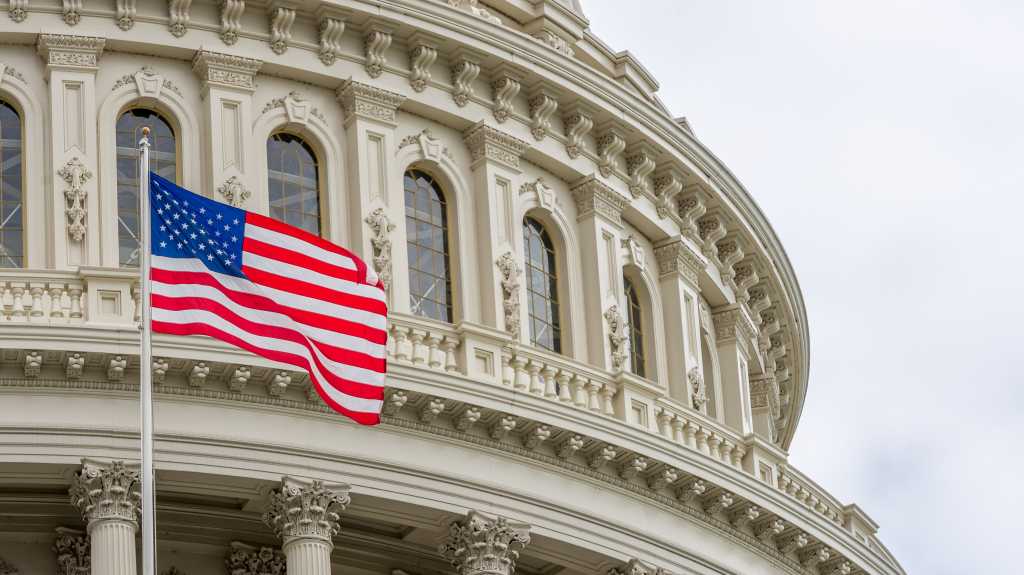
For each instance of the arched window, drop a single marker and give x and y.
(426, 227)
(12, 227)
(542, 287)
(294, 186)
(162, 160)
(710, 386)
(637, 360)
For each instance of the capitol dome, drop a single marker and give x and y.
(598, 349)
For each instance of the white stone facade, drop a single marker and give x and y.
(496, 455)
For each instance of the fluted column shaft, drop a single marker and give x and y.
(113, 546)
(308, 556)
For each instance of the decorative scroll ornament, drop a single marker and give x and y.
(510, 272)
(617, 336)
(73, 554)
(421, 57)
(18, 10)
(106, 491)
(668, 183)
(464, 73)
(377, 42)
(639, 165)
(505, 90)
(698, 391)
(282, 16)
(381, 227)
(75, 174)
(72, 12)
(473, 7)
(610, 146)
(246, 560)
(231, 20)
(300, 509)
(543, 104)
(484, 545)
(125, 14)
(332, 27)
(178, 17)
(234, 191)
(578, 123)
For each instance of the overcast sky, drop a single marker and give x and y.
(885, 142)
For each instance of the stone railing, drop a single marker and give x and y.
(695, 431)
(537, 372)
(803, 489)
(41, 296)
(426, 344)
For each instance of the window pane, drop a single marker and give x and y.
(426, 226)
(293, 182)
(162, 160)
(541, 286)
(635, 329)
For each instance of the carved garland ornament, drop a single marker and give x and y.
(234, 192)
(381, 227)
(698, 390)
(617, 337)
(510, 272)
(75, 174)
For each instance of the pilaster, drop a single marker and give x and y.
(374, 181)
(305, 515)
(108, 496)
(599, 225)
(482, 544)
(733, 333)
(679, 269)
(495, 165)
(73, 202)
(764, 405)
(228, 83)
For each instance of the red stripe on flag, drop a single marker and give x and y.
(307, 289)
(279, 226)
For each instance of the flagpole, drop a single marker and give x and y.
(146, 367)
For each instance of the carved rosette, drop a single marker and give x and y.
(233, 191)
(306, 510)
(484, 545)
(18, 10)
(73, 554)
(106, 492)
(75, 174)
(617, 337)
(510, 270)
(380, 228)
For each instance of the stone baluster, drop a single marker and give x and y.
(536, 386)
(507, 372)
(305, 515)
(418, 349)
(690, 433)
(550, 389)
(608, 392)
(593, 401)
(678, 426)
(401, 338)
(702, 441)
(579, 385)
(107, 495)
(56, 292)
(435, 356)
(75, 302)
(7, 299)
(481, 544)
(35, 306)
(136, 301)
(18, 300)
(564, 392)
(664, 423)
(714, 441)
(522, 379)
(737, 456)
(448, 345)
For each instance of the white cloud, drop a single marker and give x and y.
(884, 140)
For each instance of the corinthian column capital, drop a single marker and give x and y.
(106, 491)
(483, 545)
(301, 509)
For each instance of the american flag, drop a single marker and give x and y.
(275, 290)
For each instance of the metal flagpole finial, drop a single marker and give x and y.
(144, 142)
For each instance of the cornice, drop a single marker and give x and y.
(596, 198)
(359, 100)
(487, 143)
(677, 257)
(225, 70)
(62, 51)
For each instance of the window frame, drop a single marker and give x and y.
(444, 193)
(554, 279)
(635, 319)
(311, 144)
(22, 125)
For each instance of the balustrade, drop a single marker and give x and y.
(699, 433)
(424, 344)
(557, 378)
(801, 488)
(29, 297)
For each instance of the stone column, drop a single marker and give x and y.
(73, 202)
(374, 197)
(481, 544)
(229, 168)
(495, 168)
(679, 268)
(734, 332)
(599, 225)
(108, 496)
(304, 514)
